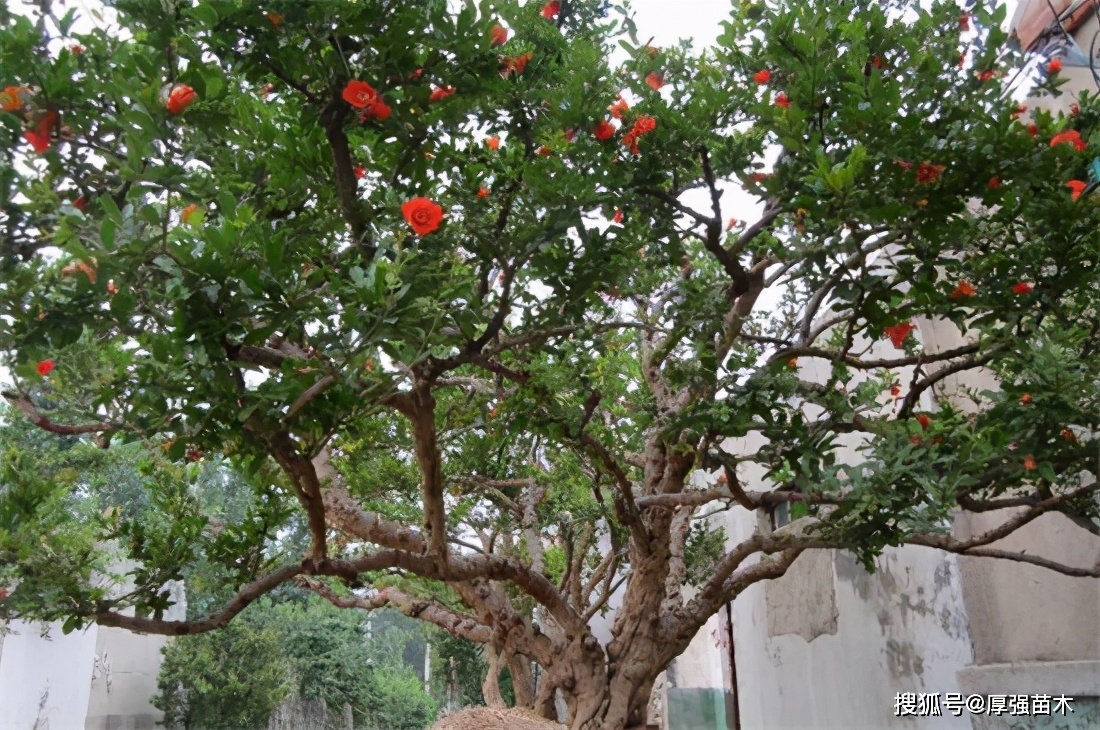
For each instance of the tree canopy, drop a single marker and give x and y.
(462, 298)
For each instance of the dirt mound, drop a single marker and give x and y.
(483, 718)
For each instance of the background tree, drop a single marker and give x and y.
(489, 317)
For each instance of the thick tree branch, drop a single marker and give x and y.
(26, 405)
(245, 596)
(457, 624)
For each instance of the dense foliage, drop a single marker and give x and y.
(463, 300)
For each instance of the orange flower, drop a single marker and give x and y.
(655, 81)
(1022, 287)
(551, 9)
(45, 367)
(792, 363)
(1029, 463)
(422, 215)
(1077, 187)
(516, 65)
(1025, 399)
(493, 142)
(618, 107)
(1054, 66)
(762, 77)
(12, 98)
(441, 93)
(964, 289)
(927, 173)
(359, 94)
(1072, 136)
(985, 75)
(1068, 435)
(544, 151)
(360, 171)
(483, 192)
(644, 124)
(994, 182)
(898, 333)
(782, 101)
(618, 218)
(499, 34)
(924, 420)
(179, 98)
(191, 214)
(604, 130)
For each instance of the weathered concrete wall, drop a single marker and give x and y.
(97, 678)
(45, 681)
(901, 629)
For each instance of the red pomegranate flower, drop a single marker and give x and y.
(1029, 463)
(441, 93)
(515, 65)
(45, 367)
(359, 94)
(782, 101)
(964, 289)
(499, 34)
(985, 75)
(618, 107)
(551, 9)
(360, 171)
(643, 125)
(927, 173)
(1022, 287)
(493, 142)
(1054, 66)
(422, 215)
(655, 81)
(1033, 129)
(898, 333)
(994, 182)
(483, 192)
(274, 18)
(544, 151)
(179, 98)
(1071, 136)
(1077, 187)
(604, 130)
(618, 218)
(924, 420)
(41, 136)
(762, 77)
(377, 109)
